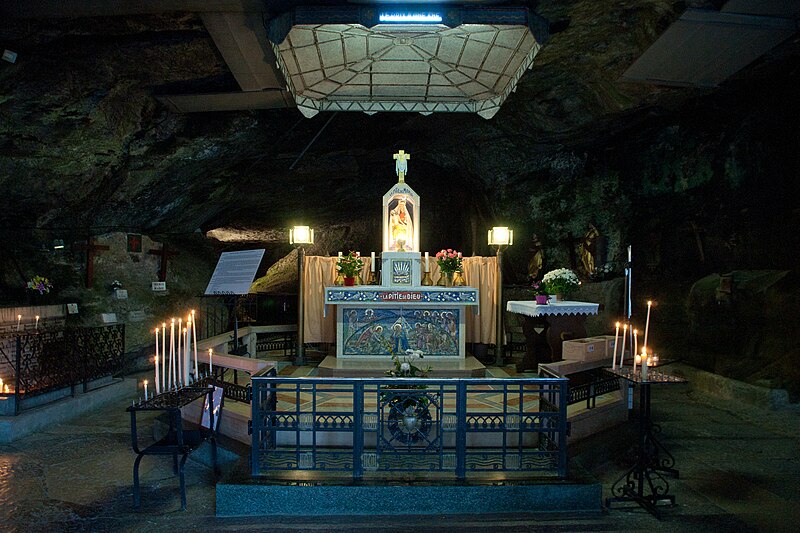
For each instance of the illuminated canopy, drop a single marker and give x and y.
(391, 58)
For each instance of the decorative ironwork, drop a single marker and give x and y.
(644, 482)
(231, 391)
(409, 424)
(590, 391)
(42, 361)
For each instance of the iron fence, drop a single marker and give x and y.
(377, 425)
(35, 363)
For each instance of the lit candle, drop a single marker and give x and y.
(372, 261)
(635, 341)
(194, 346)
(185, 365)
(647, 323)
(145, 390)
(19, 319)
(622, 349)
(179, 353)
(211, 360)
(37, 321)
(158, 386)
(644, 365)
(636, 360)
(427, 268)
(616, 337)
(163, 355)
(172, 379)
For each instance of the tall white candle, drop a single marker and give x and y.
(37, 321)
(185, 362)
(194, 346)
(211, 360)
(145, 390)
(340, 256)
(163, 356)
(372, 261)
(636, 360)
(624, 336)
(19, 319)
(158, 385)
(427, 268)
(647, 323)
(179, 353)
(635, 341)
(616, 337)
(172, 354)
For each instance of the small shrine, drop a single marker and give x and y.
(378, 321)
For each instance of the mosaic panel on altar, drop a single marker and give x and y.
(377, 331)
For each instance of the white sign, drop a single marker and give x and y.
(109, 318)
(121, 294)
(72, 309)
(235, 272)
(159, 286)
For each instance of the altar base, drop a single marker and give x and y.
(331, 366)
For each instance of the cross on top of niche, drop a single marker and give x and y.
(401, 165)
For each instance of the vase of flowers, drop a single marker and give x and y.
(349, 266)
(449, 262)
(561, 282)
(540, 293)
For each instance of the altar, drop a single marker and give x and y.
(406, 311)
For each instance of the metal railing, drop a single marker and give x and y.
(374, 425)
(35, 363)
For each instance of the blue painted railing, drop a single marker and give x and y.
(373, 425)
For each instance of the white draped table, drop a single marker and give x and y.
(557, 322)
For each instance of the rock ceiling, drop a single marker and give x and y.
(90, 136)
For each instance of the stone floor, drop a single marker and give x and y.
(739, 466)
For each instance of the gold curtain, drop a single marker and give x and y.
(320, 272)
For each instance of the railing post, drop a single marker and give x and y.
(256, 416)
(562, 428)
(17, 368)
(358, 429)
(461, 430)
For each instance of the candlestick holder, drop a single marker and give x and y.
(426, 279)
(339, 281)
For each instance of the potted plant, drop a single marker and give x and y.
(349, 266)
(540, 292)
(449, 262)
(561, 282)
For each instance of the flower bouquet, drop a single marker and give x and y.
(39, 283)
(448, 260)
(540, 292)
(561, 282)
(349, 266)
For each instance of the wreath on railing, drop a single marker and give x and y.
(409, 420)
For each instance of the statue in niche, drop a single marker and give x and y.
(588, 250)
(537, 257)
(401, 227)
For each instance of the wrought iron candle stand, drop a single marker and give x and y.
(644, 482)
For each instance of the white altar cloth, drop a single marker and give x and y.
(533, 309)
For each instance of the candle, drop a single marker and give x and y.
(179, 353)
(340, 256)
(644, 365)
(145, 390)
(427, 268)
(636, 360)
(194, 346)
(185, 361)
(459, 255)
(616, 337)
(163, 355)
(211, 360)
(647, 323)
(172, 379)
(622, 349)
(19, 318)
(635, 341)
(37, 321)
(158, 385)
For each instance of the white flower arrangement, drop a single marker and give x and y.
(561, 281)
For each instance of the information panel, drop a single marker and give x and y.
(235, 272)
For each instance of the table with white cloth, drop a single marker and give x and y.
(546, 326)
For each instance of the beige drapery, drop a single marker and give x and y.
(320, 272)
